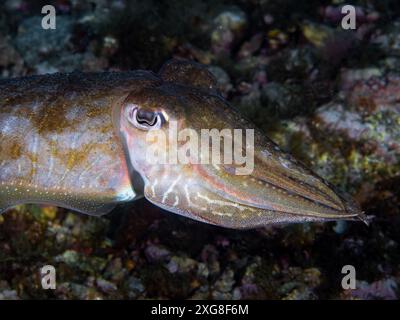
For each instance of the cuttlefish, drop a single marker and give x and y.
(80, 141)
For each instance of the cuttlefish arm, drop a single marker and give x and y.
(278, 182)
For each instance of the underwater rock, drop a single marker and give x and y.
(294, 64)
(229, 26)
(382, 289)
(135, 287)
(6, 293)
(376, 133)
(305, 294)
(115, 270)
(9, 295)
(54, 51)
(202, 270)
(349, 77)
(210, 256)
(69, 290)
(388, 40)
(70, 257)
(277, 39)
(340, 227)
(11, 63)
(333, 45)
(248, 287)
(353, 139)
(374, 94)
(46, 54)
(106, 286)
(283, 101)
(371, 118)
(156, 253)
(181, 264)
(223, 287)
(15, 5)
(301, 283)
(250, 47)
(317, 34)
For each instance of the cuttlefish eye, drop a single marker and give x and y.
(144, 119)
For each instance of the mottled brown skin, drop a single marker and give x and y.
(70, 140)
(58, 143)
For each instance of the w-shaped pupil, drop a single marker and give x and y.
(146, 117)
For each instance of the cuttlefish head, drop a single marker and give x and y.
(198, 157)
